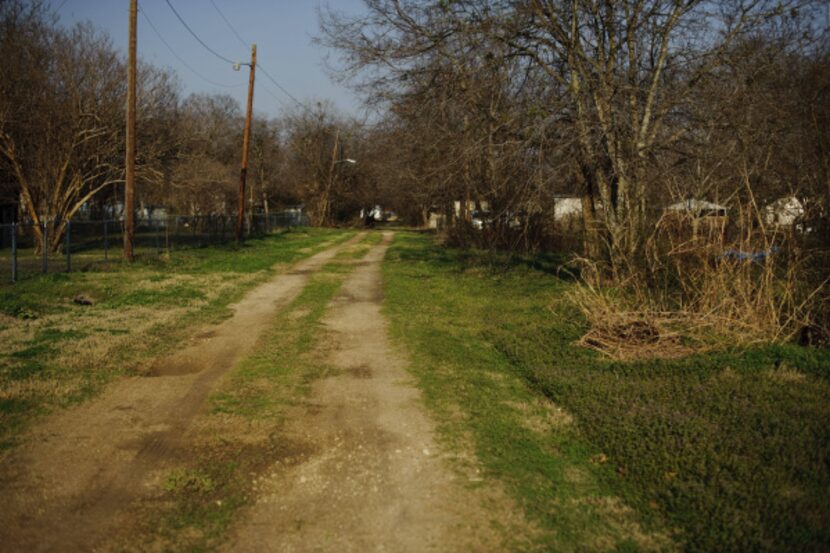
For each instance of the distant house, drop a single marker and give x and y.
(484, 205)
(436, 219)
(378, 214)
(293, 216)
(565, 207)
(153, 215)
(703, 218)
(697, 209)
(784, 212)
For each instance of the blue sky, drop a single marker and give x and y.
(282, 30)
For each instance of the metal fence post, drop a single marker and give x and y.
(44, 264)
(14, 252)
(68, 246)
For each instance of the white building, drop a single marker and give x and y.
(565, 207)
(784, 212)
(698, 208)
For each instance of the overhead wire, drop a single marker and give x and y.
(178, 57)
(278, 85)
(259, 64)
(202, 42)
(228, 23)
(228, 60)
(275, 96)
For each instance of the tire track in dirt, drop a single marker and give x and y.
(71, 484)
(372, 477)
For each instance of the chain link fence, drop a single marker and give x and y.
(86, 243)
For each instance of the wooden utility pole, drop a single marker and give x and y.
(326, 202)
(129, 187)
(246, 143)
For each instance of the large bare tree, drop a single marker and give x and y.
(61, 103)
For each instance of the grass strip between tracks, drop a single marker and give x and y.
(240, 436)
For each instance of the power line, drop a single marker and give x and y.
(182, 61)
(261, 67)
(274, 95)
(242, 40)
(278, 85)
(228, 23)
(202, 42)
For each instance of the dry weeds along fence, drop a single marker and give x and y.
(697, 294)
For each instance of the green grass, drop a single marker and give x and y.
(728, 451)
(285, 352)
(115, 281)
(52, 356)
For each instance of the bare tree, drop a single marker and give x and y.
(317, 142)
(60, 116)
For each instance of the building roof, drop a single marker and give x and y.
(696, 205)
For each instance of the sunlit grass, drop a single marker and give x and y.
(58, 352)
(722, 451)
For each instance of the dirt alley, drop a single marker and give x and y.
(374, 478)
(377, 480)
(70, 485)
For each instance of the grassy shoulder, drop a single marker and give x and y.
(239, 437)
(723, 451)
(58, 352)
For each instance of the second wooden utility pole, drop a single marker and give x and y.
(129, 184)
(246, 142)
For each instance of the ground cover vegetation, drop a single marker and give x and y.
(674, 154)
(65, 335)
(239, 437)
(719, 451)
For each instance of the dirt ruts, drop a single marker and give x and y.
(374, 478)
(74, 479)
(365, 473)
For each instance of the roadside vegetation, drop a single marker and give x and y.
(718, 451)
(65, 335)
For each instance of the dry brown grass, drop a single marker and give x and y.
(622, 333)
(695, 291)
(105, 333)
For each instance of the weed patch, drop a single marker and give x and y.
(479, 397)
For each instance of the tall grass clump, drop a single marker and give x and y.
(704, 282)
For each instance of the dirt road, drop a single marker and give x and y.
(371, 476)
(73, 481)
(376, 480)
